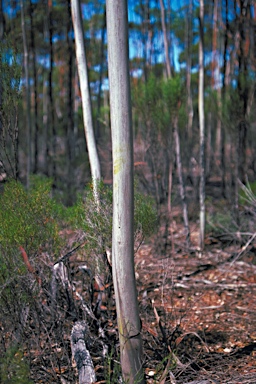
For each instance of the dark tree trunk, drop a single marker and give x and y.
(33, 51)
(70, 112)
(52, 134)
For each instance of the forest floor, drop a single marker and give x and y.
(198, 309)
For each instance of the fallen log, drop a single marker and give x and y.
(81, 355)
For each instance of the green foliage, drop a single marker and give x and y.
(247, 194)
(28, 218)
(112, 369)
(96, 221)
(14, 369)
(10, 77)
(158, 101)
(10, 72)
(221, 223)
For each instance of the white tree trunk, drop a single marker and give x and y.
(85, 92)
(129, 324)
(201, 126)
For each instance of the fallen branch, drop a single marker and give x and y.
(81, 355)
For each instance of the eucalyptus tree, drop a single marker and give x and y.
(85, 93)
(129, 324)
(201, 124)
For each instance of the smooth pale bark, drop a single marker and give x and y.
(85, 92)
(28, 114)
(201, 127)
(129, 324)
(190, 110)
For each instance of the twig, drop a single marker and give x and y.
(243, 248)
(70, 253)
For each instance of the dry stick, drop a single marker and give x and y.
(70, 253)
(243, 248)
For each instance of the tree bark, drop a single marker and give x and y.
(129, 324)
(85, 92)
(35, 106)
(189, 32)
(70, 139)
(216, 81)
(179, 170)
(28, 112)
(51, 116)
(201, 126)
(166, 45)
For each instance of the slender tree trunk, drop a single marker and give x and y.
(85, 92)
(201, 126)
(129, 324)
(46, 149)
(166, 45)
(51, 115)
(28, 104)
(190, 110)
(102, 60)
(216, 81)
(208, 155)
(176, 139)
(179, 170)
(33, 51)
(70, 111)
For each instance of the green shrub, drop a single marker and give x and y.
(28, 218)
(96, 221)
(14, 369)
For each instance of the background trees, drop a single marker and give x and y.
(41, 123)
(56, 104)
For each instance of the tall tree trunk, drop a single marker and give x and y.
(70, 145)
(129, 324)
(35, 103)
(176, 141)
(102, 61)
(85, 92)
(46, 148)
(28, 104)
(179, 170)
(189, 32)
(166, 45)
(243, 87)
(216, 80)
(51, 115)
(201, 126)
